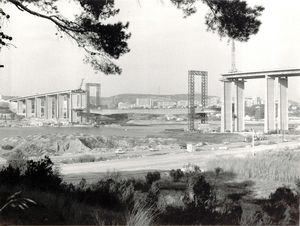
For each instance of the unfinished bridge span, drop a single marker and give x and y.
(271, 78)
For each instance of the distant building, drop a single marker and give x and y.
(258, 101)
(166, 104)
(182, 104)
(249, 101)
(214, 101)
(122, 105)
(144, 103)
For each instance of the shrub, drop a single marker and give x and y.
(10, 176)
(7, 147)
(218, 170)
(284, 194)
(176, 175)
(152, 177)
(152, 196)
(203, 192)
(86, 158)
(18, 160)
(282, 206)
(41, 175)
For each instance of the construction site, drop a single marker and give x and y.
(194, 132)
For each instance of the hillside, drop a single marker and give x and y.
(131, 98)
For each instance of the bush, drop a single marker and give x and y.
(152, 177)
(41, 175)
(18, 160)
(7, 147)
(203, 192)
(10, 176)
(282, 207)
(37, 175)
(218, 171)
(176, 175)
(86, 158)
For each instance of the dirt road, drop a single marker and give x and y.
(173, 160)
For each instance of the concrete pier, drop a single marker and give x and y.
(38, 102)
(227, 106)
(240, 105)
(28, 108)
(269, 125)
(283, 103)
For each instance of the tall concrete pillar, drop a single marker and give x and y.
(227, 107)
(70, 107)
(98, 96)
(38, 102)
(19, 107)
(88, 101)
(28, 108)
(240, 106)
(56, 98)
(60, 106)
(270, 105)
(46, 107)
(23, 107)
(283, 103)
(50, 107)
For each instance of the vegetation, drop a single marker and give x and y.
(176, 175)
(117, 201)
(232, 19)
(257, 111)
(84, 158)
(278, 166)
(104, 41)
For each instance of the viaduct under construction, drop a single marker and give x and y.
(271, 78)
(68, 104)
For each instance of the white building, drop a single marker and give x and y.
(122, 105)
(182, 104)
(144, 103)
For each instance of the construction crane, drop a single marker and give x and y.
(233, 65)
(81, 83)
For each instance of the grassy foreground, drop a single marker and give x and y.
(191, 197)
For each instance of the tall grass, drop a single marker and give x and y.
(140, 215)
(283, 166)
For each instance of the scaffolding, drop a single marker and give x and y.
(191, 96)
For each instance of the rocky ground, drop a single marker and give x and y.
(68, 146)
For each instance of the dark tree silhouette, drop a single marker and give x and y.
(105, 42)
(233, 19)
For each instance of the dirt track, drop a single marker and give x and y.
(169, 161)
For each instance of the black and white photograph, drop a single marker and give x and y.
(150, 112)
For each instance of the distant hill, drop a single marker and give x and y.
(7, 97)
(131, 98)
(293, 102)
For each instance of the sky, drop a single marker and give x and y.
(164, 46)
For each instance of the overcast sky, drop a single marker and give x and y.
(164, 46)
